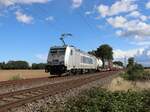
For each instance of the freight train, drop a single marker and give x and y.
(70, 60)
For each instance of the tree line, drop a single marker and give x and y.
(21, 65)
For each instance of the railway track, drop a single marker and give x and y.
(17, 98)
(25, 81)
(5, 84)
(11, 86)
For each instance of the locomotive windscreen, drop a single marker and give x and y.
(58, 51)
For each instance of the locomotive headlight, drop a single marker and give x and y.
(62, 62)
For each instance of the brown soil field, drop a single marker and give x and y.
(23, 74)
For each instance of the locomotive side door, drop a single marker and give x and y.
(71, 59)
(73, 54)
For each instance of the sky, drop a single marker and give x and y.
(28, 28)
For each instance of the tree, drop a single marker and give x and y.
(38, 66)
(134, 70)
(93, 52)
(130, 62)
(118, 63)
(16, 65)
(105, 52)
(0, 65)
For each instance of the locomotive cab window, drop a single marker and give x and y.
(58, 51)
(53, 51)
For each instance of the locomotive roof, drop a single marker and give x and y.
(54, 47)
(60, 47)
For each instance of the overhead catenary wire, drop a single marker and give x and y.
(90, 26)
(43, 18)
(87, 23)
(58, 28)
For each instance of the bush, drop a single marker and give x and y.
(100, 100)
(16, 77)
(135, 72)
(145, 75)
(124, 75)
(133, 75)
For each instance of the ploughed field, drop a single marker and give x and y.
(21, 74)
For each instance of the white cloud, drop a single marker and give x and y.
(120, 54)
(76, 3)
(23, 18)
(119, 32)
(144, 57)
(137, 14)
(118, 7)
(148, 5)
(103, 10)
(117, 22)
(13, 2)
(141, 55)
(141, 43)
(144, 18)
(130, 28)
(126, 18)
(6, 2)
(134, 14)
(88, 12)
(42, 57)
(50, 18)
